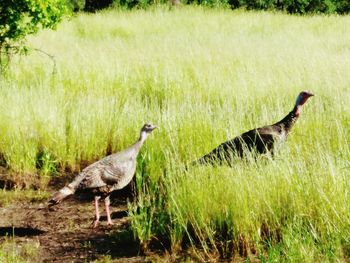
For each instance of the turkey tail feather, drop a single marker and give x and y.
(67, 190)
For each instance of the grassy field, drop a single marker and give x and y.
(203, 76)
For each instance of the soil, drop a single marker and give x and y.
(64, 232)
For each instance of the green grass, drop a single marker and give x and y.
(10, 251)
(203, 76)
(7, 197)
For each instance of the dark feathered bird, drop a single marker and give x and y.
(111, 173)
(260, 140)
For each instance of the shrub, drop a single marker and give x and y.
(290, 6)
(295, 6)
(76, 5)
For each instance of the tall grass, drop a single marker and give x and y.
(203, 76)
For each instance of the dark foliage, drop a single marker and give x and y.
(295, 6)
(289, 6)
(94, 5)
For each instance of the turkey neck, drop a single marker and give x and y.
(291, 118)
(141, 140)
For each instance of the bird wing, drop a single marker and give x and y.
(260, 139)
(276, 133)
(92, 176)
(273, 130)
(108, 171)
(114, 170)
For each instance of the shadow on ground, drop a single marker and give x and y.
(115, 215)
(20, 231)
(65, 232)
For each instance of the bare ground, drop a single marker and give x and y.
(64, 233)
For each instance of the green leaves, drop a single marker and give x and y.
(20, 18)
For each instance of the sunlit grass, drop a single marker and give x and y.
(12, 252)
(203, 76)
(8, 197)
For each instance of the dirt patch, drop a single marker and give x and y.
(64, 232)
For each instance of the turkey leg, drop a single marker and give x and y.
(97, 212)
(107, 203)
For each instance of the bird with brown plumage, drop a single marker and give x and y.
(111, 173)
(260, 140)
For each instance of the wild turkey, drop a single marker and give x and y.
(259, 140)
(111, 173)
